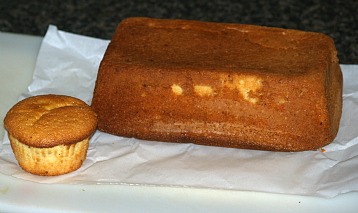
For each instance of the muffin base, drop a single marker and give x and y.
(57, 160)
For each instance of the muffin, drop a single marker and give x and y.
(49, 134)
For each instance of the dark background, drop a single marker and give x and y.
(99, 18)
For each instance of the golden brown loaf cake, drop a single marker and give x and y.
(219, 84)
(49, 134)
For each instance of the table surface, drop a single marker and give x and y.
(17, 60)
(337, 19)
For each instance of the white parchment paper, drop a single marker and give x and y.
(67, 64)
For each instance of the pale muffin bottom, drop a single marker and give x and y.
(51, 161)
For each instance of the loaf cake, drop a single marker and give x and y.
(49, 134)
(219, 84)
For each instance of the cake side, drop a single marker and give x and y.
(219, 84)
(333, 94)
(221, 109)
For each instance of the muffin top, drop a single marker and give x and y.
(49, 120)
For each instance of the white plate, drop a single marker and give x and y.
(17, 59)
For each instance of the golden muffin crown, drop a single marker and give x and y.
(49, 120)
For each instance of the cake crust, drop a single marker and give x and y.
(219, 84)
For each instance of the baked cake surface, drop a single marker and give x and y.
(219, 84)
